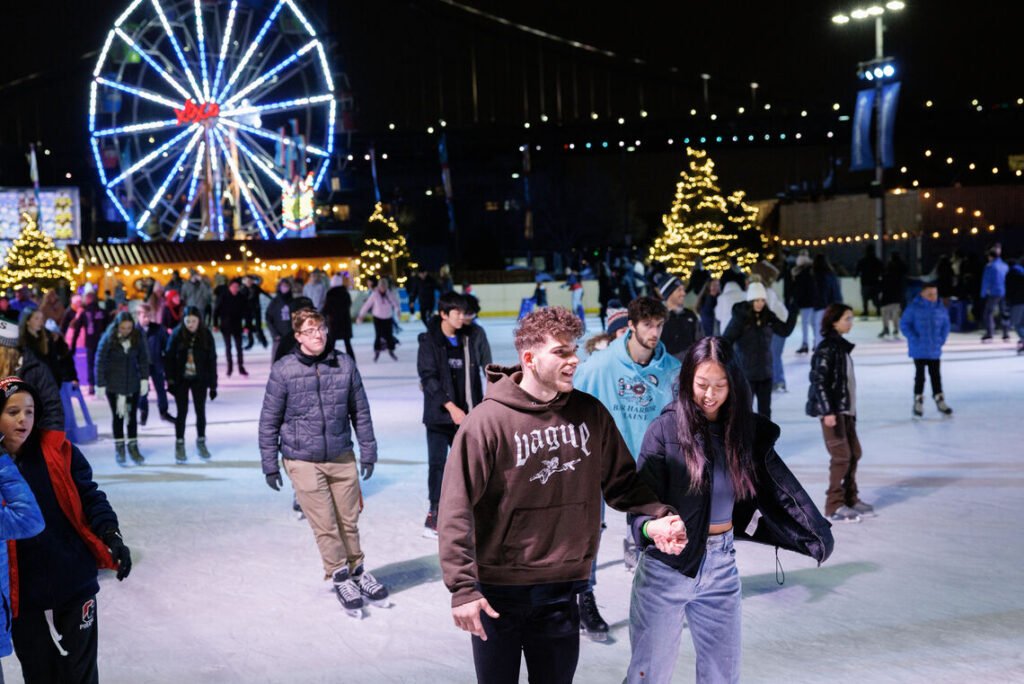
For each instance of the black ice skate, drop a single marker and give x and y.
(372, 590)
(348, 594)
(592, 625)
(180, 456)
(918, 405)
(629, 554)
(133, 451)
(204, 453)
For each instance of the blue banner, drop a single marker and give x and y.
(887, 122)
(861, 157)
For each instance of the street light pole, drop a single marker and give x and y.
(879, 170)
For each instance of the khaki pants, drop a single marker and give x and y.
(329, 496)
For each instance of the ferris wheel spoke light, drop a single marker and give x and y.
(325, 67)
(190, 198)
(224, 45)
(251, 51)
(270, 74)
(202, 50)
(177, 49)
(261, 164)
(240, 182)
(312, 149)
(278, 106)
(175, 169)
(124, 15)
(215, 193)
(301, 17)
(155, 153)
(118, 206)
(330, 125)
(152, 63)
(138, 92)
(137, 128)
(320, 177)
(92, 106)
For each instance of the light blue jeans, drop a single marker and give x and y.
(807, 321)
(778, 370)
(662, 597)
(819, 315)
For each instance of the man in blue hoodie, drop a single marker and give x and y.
(993, 291)
(635, 377)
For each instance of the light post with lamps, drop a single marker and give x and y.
(876, 71)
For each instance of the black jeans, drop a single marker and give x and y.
(41, 663)
(439, 440)
(762, 390)
(933, 371)
(158, 381)
(382, 328)
(181, 391)
(547, 635)
(131, 414)
(237, 337)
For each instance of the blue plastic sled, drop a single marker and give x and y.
(78, 434)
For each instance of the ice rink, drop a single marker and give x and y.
(227, 584)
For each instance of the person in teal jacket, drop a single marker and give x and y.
(20, 518)
(635, 378)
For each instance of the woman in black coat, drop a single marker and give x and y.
(122, 371)
(338, 312)
(190, 362)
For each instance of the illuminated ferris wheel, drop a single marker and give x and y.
(204, 114)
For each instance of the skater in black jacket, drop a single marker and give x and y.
(233, 309)
(191, 363)
(338, 312)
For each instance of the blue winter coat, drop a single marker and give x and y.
(926, 326)
(993, 280)
(20, 518)
(632, 393)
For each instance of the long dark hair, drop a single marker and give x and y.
(37, 343)
(136, 334)
(692, 424)
(200, 333)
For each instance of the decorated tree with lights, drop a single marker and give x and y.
(703, 223)
(33, 259)
(385, 252)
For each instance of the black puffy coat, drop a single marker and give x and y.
(751, 334)
(233, 311)
(204, 354)
(49, 416)
(436, 379)
(789, 518)
(310, 407)
(120, 371)
(680, 332)
(279, 318)
(338, 312)
(829, 393)
(804, 286)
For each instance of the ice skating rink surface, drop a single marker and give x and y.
(227, 584)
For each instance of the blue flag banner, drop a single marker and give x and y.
(446, 180)
(861, 157)
(887, 122)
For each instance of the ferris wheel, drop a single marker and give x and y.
(203, 114)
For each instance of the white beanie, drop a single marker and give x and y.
(756, 291)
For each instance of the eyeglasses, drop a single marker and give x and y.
(310, 332)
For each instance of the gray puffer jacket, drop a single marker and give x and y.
(309, 408)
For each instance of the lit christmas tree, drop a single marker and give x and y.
(704, 223)
(384, 250)
(33, 259)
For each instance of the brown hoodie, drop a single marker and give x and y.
(521, 499)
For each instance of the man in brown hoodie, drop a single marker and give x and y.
(520, 508)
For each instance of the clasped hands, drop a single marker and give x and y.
(668, 534)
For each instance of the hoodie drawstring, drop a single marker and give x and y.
(54, 634)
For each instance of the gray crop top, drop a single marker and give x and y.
(723, 496)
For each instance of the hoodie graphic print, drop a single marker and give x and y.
(522, 489)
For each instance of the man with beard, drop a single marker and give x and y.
(634, 378)
(520, 512)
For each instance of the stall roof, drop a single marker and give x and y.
(152, 253)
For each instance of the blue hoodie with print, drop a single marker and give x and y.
(633, 394)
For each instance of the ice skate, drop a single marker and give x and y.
(940, 403)
(133, 451)
(629, 554)
(119, 453)
(204, 453)
(592, 625)
(430, 525)
(371, 590)
(297, 508)
(918, 405)
(348, 594)
(180, 457)
(865, 510)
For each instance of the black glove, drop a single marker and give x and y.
(119, 552)
(367, 470)
(274, 481)
(213, 393)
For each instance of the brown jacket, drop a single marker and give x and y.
(521, 499)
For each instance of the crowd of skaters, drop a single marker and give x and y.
(677, 370)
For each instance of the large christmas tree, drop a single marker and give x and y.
(385, 252)
(703, 223)
(33, 259)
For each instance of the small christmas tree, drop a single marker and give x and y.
(34, 260)
(702, 223)
(385, 252)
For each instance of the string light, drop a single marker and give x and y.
(33, 259)
(384, 249)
